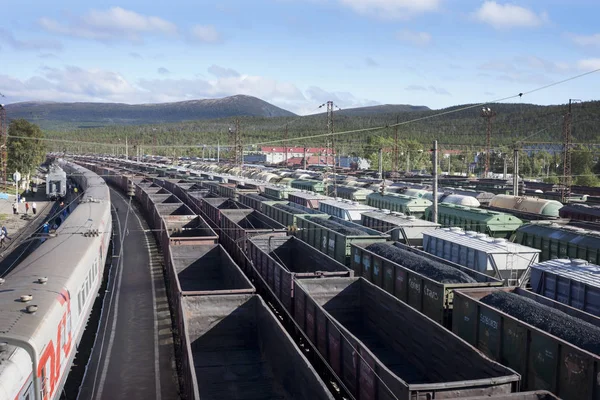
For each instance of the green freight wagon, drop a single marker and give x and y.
(556, 241)
(544, 361)
(493, 223)
(309, 185)
(332, 242)
(399, 202)
(349, 192)
(278, 192)
(288, 216)
(432, 298)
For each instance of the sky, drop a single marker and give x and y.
(298, 54)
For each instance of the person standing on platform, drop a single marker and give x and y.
(34, 207)
(15, 207)
(26, 207)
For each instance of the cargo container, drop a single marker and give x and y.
(186, 230)
(256, 201)
(309, 185)
(557, 241)
(494, 223)
(279, 192)
(572, 282)
(580, 212)
(237, 226)
(204, 270)
(233, 347)
(544, 361)
(306, 199)
(403, 228)
(537, 395)
(331, 241)
(344, 209)
(211, 207)
(234, 191)
(382, 348)
(495, 257)
(399, 202)
(432, 298)
(287, 213)
(352, 193)
(280, 260)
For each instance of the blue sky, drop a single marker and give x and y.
(298, 54)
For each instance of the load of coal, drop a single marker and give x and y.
(256, 197)
(557, 323)
(290, 209)
(422, 265)
(339, 228)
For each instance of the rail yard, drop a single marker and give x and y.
(278, 290)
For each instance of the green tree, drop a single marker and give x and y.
(582, 160)
(587, 179)
(25, 149)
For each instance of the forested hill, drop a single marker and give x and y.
(69, 115)
(514, 122)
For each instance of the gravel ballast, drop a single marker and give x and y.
(557, 323)
(422, 265)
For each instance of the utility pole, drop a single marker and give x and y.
(330, 131)
(489, 115)
(304, 160)
(435, 182)
(516, 171)
(218, 151)
(381, 163)
(285, 145)
(238, 149)
(567, 179)
(396, 149)
(126, 149)
(3, 145)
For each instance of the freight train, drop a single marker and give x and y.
(353, 307)
(45, 302)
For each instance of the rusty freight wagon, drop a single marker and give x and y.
(186, 230)
(163, 210)
(211, 207)
(382, 348)
(233, 347)
(196, 270)
(420, 288)
(256, 201)
(553, 346)
(333, 236)
(287, 213)
(237, 226)
(280, 260)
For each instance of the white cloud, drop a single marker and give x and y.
(112, 24)
(343, 100)
(133, 54)
(392, 9)
(586, 40)
(433, 89)
(221, 72)
(504, 16)
(205, 34)
(163, 71)
(414, 38)
(69, 84)
(589, 64)
(416, 88)
(9, 39)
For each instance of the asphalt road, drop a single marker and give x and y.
(133, 356)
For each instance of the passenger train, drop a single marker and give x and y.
(45, 302)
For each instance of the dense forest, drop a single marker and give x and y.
(458, 128)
